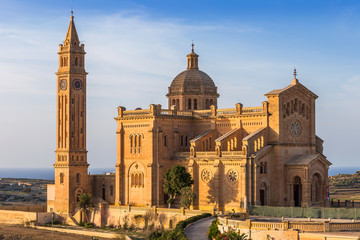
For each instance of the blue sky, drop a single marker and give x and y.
(135, 49)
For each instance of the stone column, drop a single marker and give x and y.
(217, 183)
(119, 176)
(306, 193)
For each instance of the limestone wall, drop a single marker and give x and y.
(140, 217)
(17, 217)
(28, 208)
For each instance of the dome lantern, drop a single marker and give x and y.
(192, 89)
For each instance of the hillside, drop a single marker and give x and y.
(345, 186)
(19, 191)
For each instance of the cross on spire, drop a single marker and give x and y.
(192, 46)
(295, 80)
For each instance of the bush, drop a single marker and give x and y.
(88, 225)
(231, 235)
(155, 235)
(178, 232)
(213, 230)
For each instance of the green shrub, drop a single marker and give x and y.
(178, 232)
(88, 225)
(213, 230)
(155, 235)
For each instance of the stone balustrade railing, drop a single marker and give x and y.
(302, 226)
(252, 109)
(156, 110)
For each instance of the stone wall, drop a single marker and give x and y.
(106, 215)
(27, 208)
(17, 217)
(313, 212)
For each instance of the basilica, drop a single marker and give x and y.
(237, 157)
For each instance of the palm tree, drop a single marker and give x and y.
(84, 204)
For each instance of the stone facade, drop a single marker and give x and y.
(264, 155)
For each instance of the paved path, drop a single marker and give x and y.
(198, 230)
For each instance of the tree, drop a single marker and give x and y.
(85, 204)
(176, 179)
(187, 197)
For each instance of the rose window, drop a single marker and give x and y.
(233, 175)
(206, 175)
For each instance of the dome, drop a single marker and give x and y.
(192, 81)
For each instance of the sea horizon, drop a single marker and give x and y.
(48, 173)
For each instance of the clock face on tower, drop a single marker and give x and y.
(63, 84)
(295, 128)
(77, 84)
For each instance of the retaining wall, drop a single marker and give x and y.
(300, 212)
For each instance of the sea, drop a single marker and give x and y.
(43, 173)
(48, 173)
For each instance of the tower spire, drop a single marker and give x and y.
(71, 35)
(192, 59)
(295, 80)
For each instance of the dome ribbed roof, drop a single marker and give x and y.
(192, 81)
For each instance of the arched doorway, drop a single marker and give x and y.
(297, 191)
(316, 188)
(263, 194)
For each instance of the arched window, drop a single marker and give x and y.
(189, 104)
(135, 141)
(140, 141)
(261, 168)
(131, 141)
(182, 141)
(177, 103)
(210, 143)
(111, 190)
(165, 141)
(211, 102)
(137, 179)
(288, 109)
(78, 177)
(207, 104)
(303, 109)
(186, 141)
(265, 167)
(141, 180)
(195, 104)
(203, 146)
(132, 179)
(76, 61)
(61, 177)
(61, 62)
(173, 102)
(103, 192)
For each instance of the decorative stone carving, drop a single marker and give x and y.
(206, 175)
(233, 175)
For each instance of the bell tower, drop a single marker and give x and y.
(71, 167)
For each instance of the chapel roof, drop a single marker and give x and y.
(301, 160)
(295, 83)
